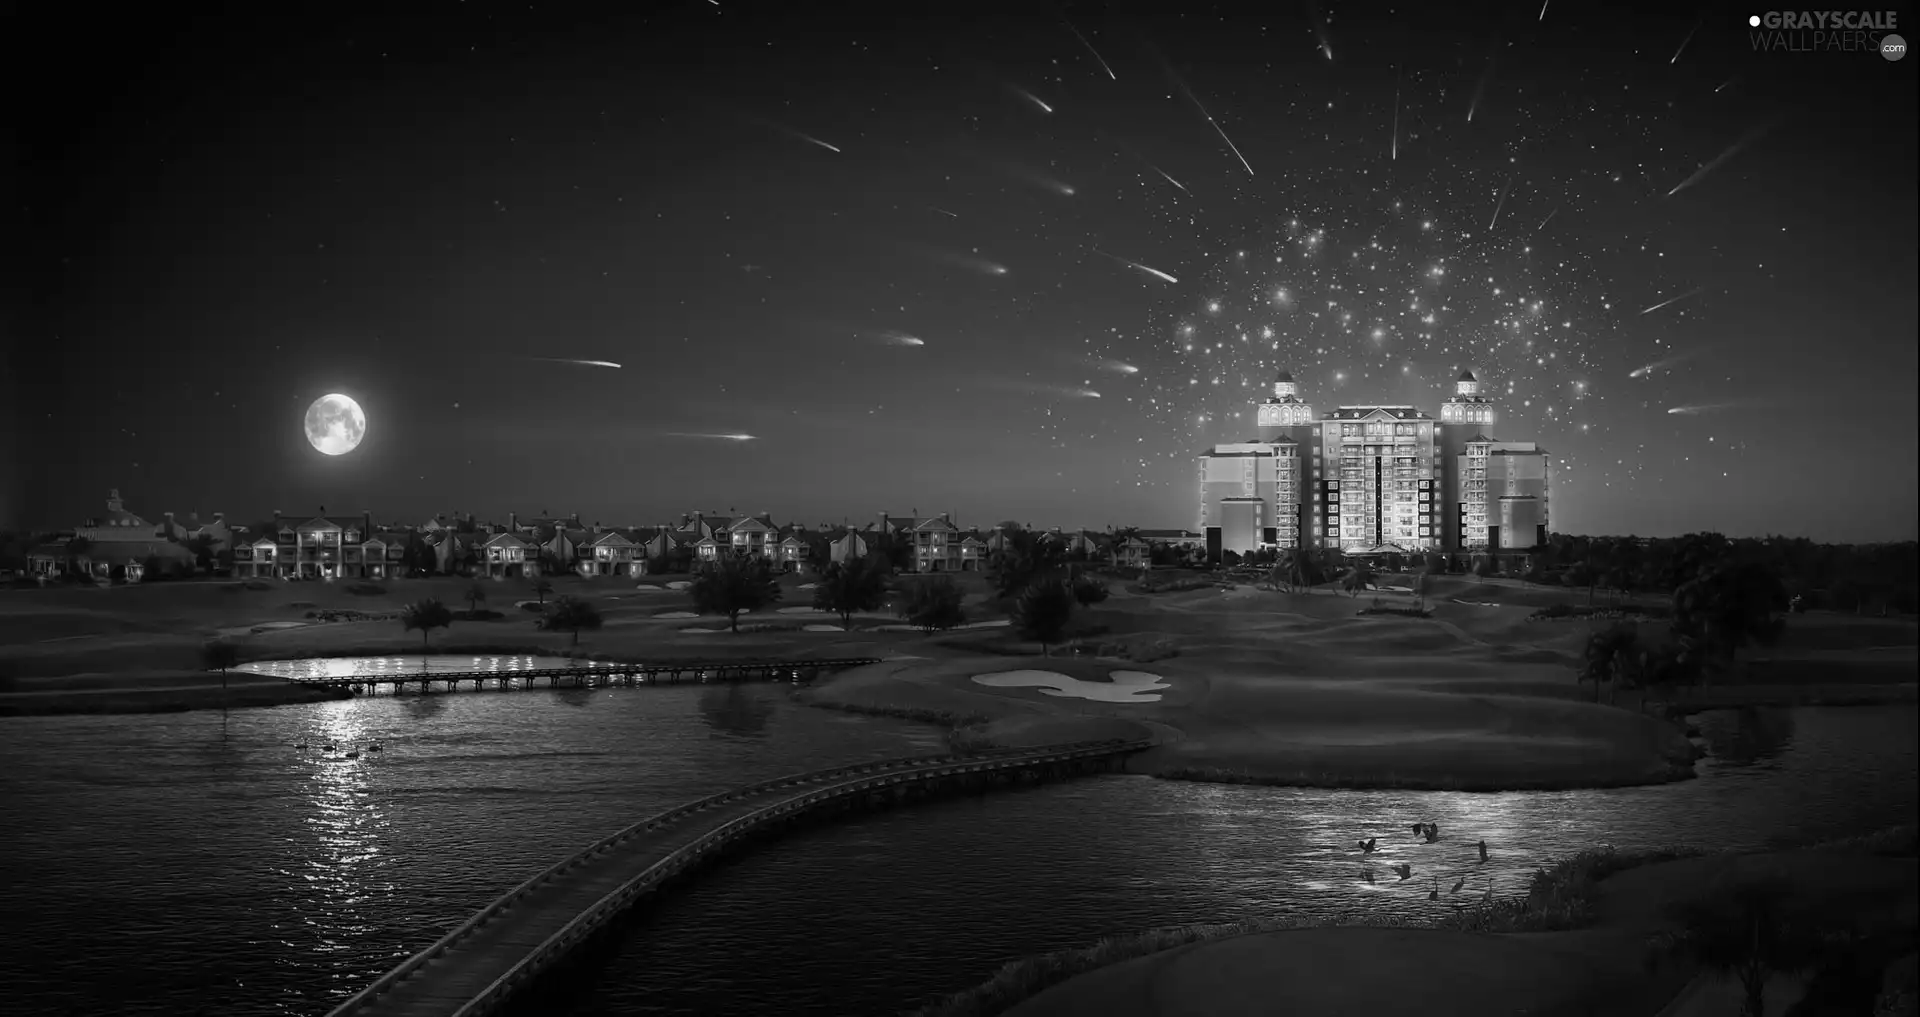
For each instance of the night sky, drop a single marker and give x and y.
(904, 252)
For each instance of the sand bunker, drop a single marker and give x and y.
(678, 614)
(648, 588)
(821, 628)
(678, 584)
(807, 586)
(1126, 686)
(703, 630)
(801, 610)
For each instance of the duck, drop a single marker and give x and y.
(329, 747)
(1419, 828)
(375, 747)
(1433, 832)
(1483, 851)
(353, 754)
(301, 747)
(1404, 869)
(1435, 895)
(1366, 846)
(1367, 874)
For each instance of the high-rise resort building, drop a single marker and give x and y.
(1374, 480)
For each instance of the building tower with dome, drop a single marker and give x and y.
(1374, 480)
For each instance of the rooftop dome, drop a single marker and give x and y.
(1284, 376)
(1467, 375)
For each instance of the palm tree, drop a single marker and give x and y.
(732, 585)
(1744, 931)
(475, 596)
(1356, 578)
(571, 614)
(859, 584)
(540, 589)
(1423, 585)
(425, 615)
(1609, 656)
(1725, 608)
(77, 548)
(218, 653)
(1042, 611)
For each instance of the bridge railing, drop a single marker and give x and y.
(419, 960)
(617, 900)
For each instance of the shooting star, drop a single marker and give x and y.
(1683, 43)
(1719, 160)
(1480, 87)
(811, 140)
(1394, 152)
(1548, 219)
(1118, 367)
(1169, 178)
(1210, 121)
(900, 339)
(1723, 85)
(943, 211)
(714, 437)
(1320, 36)
(1543, 9)
(1665, 363)
(1030, 97)
(1694, 411)
(1673, 300)
(1090, 49)
(582, 363)
(1502, 203)
(1156, 273)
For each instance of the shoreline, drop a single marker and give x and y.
(1594, 910)
(138, 692)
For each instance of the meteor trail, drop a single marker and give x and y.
(943, 211)
(1500, 204)
(901, 339)
(1156, 273)
(1543, 9)
(1210, 121)
(816, 141)
(1672, 300)
(1548, 219)
(582, 363)
(1032, 98)
(1683, 45)
(716, 437)
(1394, 152)
(1752, 136)
(1090, 49)
(1170, 179)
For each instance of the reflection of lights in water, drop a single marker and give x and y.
(343, 667)
(343, 860)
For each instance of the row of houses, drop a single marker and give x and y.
(345, 547)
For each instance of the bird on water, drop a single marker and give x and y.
(1367, 845)
(1403, 869)
(1483, 850)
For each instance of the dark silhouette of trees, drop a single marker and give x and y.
(541, 588)
(1728, 606)
(572, 614)
(932, 604)
(1089, 590)
(475, 596)
(1745, 930)
(221, 655)
(1042, 611)
(1611, 655)
(858, 584)
(732, 585)
(425, 615)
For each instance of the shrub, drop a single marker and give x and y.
(933, 604)
(477, 614)
(1088, 591)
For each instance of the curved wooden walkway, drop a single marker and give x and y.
(476, 967)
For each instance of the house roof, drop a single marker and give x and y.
(319, 523)
(611, 538)
(1382, 412)
(935, 523)
(753, 524)
(504, 540)
(1481, 437)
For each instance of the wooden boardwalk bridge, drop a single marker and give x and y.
(595, 674)
(474, 969)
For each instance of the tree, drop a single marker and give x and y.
(1483, 566)
(857, 584)
(220, 654)
(1745, 930)
(1356, 578)
(77, 548)
(572, 614)
(1423, 585)
(425, 615)
(1581, 574)
(202, 546)
(933, 603)
(475, 596)
(540, 589)
(732, 585)
(1089, 590)
(1230, 557)
(1396, 561)
(1042, 611)
(1728, 606)
(1610, 655)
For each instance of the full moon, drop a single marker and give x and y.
(335, 424)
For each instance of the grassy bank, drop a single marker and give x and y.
(1566, 897)
(151, 692)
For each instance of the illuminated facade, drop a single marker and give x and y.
(1374, 479)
